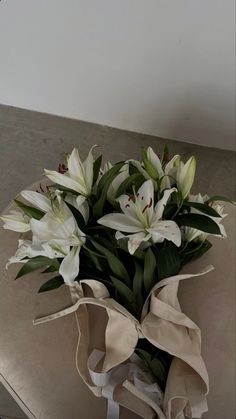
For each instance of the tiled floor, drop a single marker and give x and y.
(32, 141)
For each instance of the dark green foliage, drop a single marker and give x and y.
(36, 263)
(168, 260)
(149, 270)
(157, 361)
(30, 211)
(202, 208)
(103, 187)
(52, 284)
(198, 221)
(78, 216)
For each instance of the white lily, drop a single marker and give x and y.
(185, 176)
(79, 176)
(142, 219)
(170, 172)
(16, 221)
(59, 230)
(190, 234)
(55, 235)
(154, 169)
(27, 250)
(167, 174)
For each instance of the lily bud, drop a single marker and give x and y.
(152, 164)
(185, 176)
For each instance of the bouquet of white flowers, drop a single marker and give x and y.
(119, 236)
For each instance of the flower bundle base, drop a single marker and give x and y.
(105, 358)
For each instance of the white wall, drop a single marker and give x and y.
(163, 67)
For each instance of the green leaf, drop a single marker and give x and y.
(149, 270)
(35, 263)
(52, 284)
(165, 155)
(203, 208)
(168, 261)
(169, 211)
(144, 153)
(102, 189)
(198, 221)
(96, 168)
(114, 263)
(127, 183)
(125, 292)
(219, 198)
(158, 369)
(108, 177)
(95, 259)
(156, 365)
(30, 211)
(139, 254)
(138, 288)
(146, 356)
(50, 269)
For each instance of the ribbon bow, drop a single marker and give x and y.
(162, 323)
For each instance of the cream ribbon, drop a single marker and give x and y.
(164, 325)
(109, 380)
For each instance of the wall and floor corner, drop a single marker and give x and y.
(160, 67)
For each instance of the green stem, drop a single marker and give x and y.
(178, 209)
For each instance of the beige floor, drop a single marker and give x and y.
(8, 407)
(31, 141)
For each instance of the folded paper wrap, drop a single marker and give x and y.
(108, 328)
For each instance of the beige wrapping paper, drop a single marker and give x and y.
(107, 326)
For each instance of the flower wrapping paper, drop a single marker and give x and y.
(163, 324)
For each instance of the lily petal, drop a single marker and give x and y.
(65, 181)
(140, 168)
(16, 221)
(154, 159)
(27, 249)
(83, 208)
(168, 230)
(75, 166)
(160, 206)
(88, 169)
(135, 240)
(121, 222)
(185, 176)
(69, 267)
(190, 234)
(37, 199)
(127, 206)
